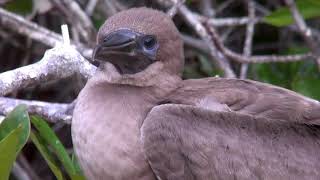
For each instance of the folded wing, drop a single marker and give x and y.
(249, 97)
(186, 142)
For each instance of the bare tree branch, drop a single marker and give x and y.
(57, 63)
(257, 58)
(77, 17)
(60, 62)
(223, 5)
(230, 21)
(64, 61)
(247, 50)
(221, 60)
(206, 8)
(19, 172)
(174, 8)
(196, 44)
(112, 6)
(91, 6)
(52, 112)
(32, 30)
(25, 165)
(304, 30)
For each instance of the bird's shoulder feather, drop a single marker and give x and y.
(249, 97)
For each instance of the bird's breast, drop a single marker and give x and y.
(106, 133)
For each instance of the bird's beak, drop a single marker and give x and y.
(122, 41)
(127, 51)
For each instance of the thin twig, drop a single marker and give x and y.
(247, 50)
(304, 30)
(77, 17)
(206, 8)
(257, 58)
(222, 6)
(25, 165)
(196, 44)
(19, 172)
(110, 7)
(34, 31)
(7, 38)
(220, 59)
(229, 21)
(174, 8)
(91, 6)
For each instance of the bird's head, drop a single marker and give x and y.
(140, 42)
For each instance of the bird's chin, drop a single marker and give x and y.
(126, 64)
(144, 78)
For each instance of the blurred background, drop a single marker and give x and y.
(272, 32)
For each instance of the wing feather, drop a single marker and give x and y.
(249, 97)
(191, 143)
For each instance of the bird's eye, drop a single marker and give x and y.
(149, 42)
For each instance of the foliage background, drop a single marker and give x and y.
(273, 34)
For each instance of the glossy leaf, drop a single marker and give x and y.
(46, 154)
(22, 7)
(49, 137)
(76, 164)
(8, 147)
(77, 177)
(307, 81)
(308, 86)
(279, 74)
(14, 133)
(18, 117)
(283, 17)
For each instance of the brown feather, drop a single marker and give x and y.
(250, 97)
(231, 129)
(189, 143)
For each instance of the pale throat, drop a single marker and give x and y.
(155, 76)
(119, 110)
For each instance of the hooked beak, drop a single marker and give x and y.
(118, 42)
(125, 49)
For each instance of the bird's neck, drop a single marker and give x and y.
(111, 115)
(127, 102)
(114, 113)
(155, 76)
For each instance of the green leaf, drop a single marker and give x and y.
(205, 65)
(307, 80)
(308, 86)
(97, 21)
(47, 155)
(282, 16)
(279, 74)
(302, 77)
(22, 7)
(77, 177)
(52, 140)
(76, 164)
(18, 117)
(14, 133)
(8, 154)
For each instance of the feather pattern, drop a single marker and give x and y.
(191, 143)
(250, 97)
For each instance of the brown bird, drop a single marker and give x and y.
(137, 119)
